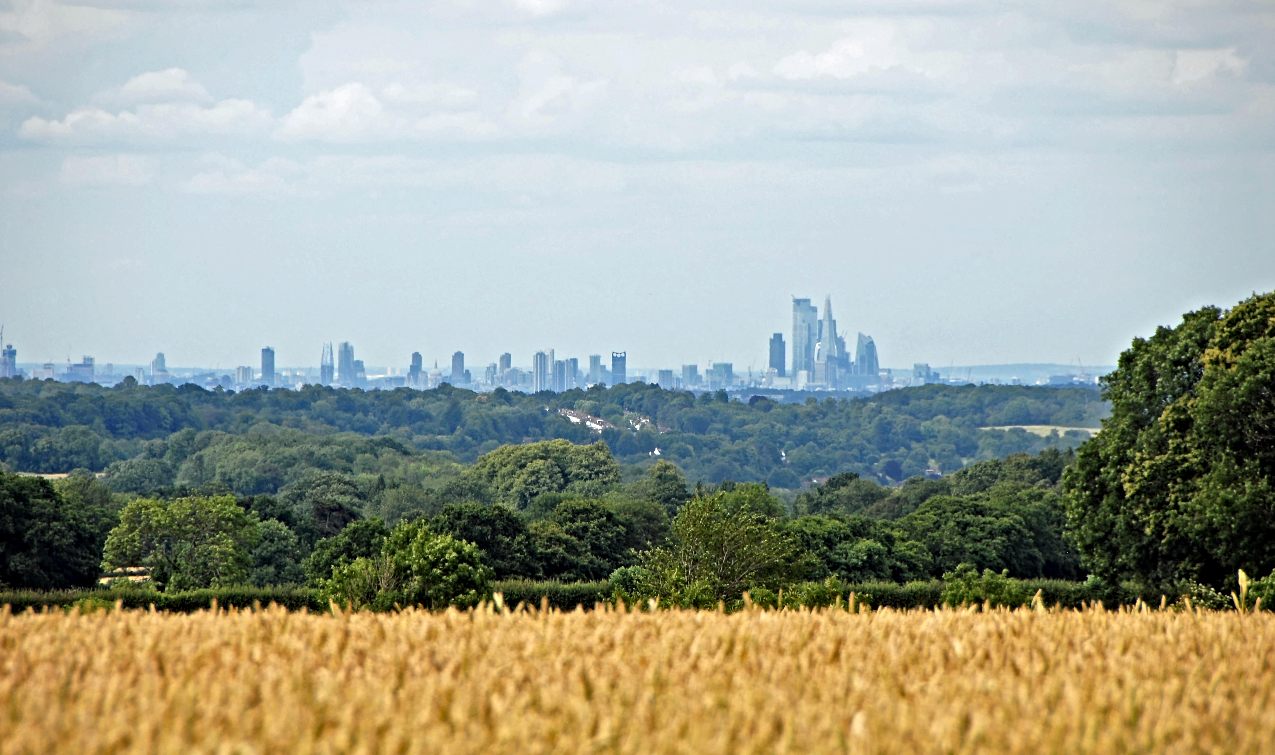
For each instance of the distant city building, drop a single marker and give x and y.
(595, 369)
(159, 369)
(865, 357)
(559, 376)
(619, 368)
(243, 376)
(923, 375)
(540, 372)
(345, 374)
(506, 363)
(573, 373)
(805, 331)
(327, 369)
(267, 366)
(665, 380)
(690, 376)
(414, 370)
(721, 375)
(458, 376)
(82, 372)
(360, 374)
(8, 361)
(777, 353)
(491, 374)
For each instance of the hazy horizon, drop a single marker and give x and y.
(971, 183)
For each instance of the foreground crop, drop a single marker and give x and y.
(831, 681)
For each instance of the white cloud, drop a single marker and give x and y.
(15, 94)
(351, 112)
(168, 85)
(539, 8)
(93, 125)
(1191, 66)
(106, 170)
(224, 175)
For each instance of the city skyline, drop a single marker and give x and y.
(971, 181)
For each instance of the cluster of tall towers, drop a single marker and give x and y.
(819, 353)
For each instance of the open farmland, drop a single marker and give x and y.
(607, 681)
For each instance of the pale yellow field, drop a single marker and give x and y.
(688, 682)
(1045, 430)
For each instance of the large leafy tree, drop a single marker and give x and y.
(723, 544)
(1178, 485)
(186, 543)
(46, 540)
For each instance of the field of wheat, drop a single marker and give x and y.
(607, 681)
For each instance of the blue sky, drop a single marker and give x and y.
(972, 182)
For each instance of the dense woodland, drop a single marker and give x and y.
(257, 442)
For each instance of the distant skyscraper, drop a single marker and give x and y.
(573, 373)
(414, 371)
(540, 372)
(345, 364)
(690, 375)
(805, 329)
(619, 368)
(327, 371)
(665, 379)
(777, 353)
(243, 376)
(458, 369)
(721, 375)
(559, 376)
(865, 357)
(159, 369)
(595, 369)
(828, 333)
(8, 361)
(267, 365)
(506, 363)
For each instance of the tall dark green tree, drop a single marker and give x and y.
(45, 541)
(1178, 485)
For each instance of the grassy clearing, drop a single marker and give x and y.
(607, 681)
(1045, 430)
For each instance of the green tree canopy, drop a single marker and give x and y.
(1178, 485)
(48, 540)
(187, 543)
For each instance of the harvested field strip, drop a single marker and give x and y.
(607, 681)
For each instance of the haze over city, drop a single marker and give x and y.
(971, 183)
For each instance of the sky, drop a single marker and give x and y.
(971, 181)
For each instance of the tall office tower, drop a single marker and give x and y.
(458, 369)
(690, 375)
(619, 369)
(665, 380)
(267, 365)
(8, 361)
(805, 329)
(159, 369)
(828, 333)
(559, 376)
(360, 373)
(540, 369)
(414, 371)
(491, 374)
(506, 362)
(865, 357)
(326, 370)
(595, 369)
(345, 364)
(777, 353)
(573, 373)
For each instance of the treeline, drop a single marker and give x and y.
(542, 511)
(259, 441)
